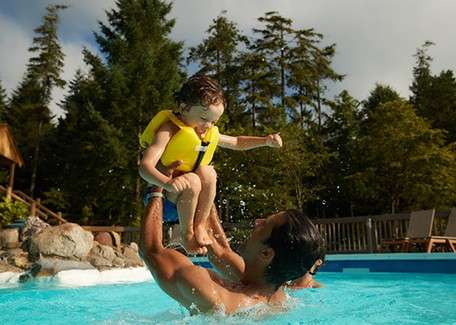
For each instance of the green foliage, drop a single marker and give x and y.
(3, 102)
(56, 200)
(29, 114)
(12, 210)
(340, 156)
(403, 160)
(218, 56)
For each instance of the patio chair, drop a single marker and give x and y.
(449, 237)
(418, 232)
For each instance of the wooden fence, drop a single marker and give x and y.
(364, 234)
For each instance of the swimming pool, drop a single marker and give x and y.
(347, 298)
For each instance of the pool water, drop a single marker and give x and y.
(399, 298)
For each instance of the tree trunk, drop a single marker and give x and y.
(35, 160)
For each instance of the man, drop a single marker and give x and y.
(283, 247)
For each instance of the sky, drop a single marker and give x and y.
(376, 39)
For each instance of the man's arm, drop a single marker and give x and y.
(249, 142)
(190, 285)
(220, 254)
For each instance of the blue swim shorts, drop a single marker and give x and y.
(170, 215)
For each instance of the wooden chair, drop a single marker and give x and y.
(449, 237)
(418, 232)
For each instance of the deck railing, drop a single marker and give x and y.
(35, 206)
(365, 234)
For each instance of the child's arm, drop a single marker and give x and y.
(147, 169)
(249, 142)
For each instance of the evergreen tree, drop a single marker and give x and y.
(272, 44)
(29, 114)
(405, 163)
(309, 67)
(93, 163)
(381, 94)
(434, 97)
(3, 102)
(422, 78)
(218, 57)
(139, 78)
(342, 129)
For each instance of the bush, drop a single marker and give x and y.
(12, 210)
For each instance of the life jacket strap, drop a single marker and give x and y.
(201, 152)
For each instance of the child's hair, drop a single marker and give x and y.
(199, 90)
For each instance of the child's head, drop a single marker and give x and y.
(200, 102)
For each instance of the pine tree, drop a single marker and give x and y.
(218, 56)
(29, 114)
(139, 78)
(342, 128)
(3, 103)
(434, 96)
(422, 78)
(309, 69)
(381, 94)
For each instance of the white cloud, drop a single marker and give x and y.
(14, 44)
(375, 39)
(73, 62)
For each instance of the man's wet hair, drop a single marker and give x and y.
(199, 90)
(297, 245)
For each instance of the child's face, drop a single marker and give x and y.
(201, 118)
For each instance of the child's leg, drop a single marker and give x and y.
(208, 178)
(186, 202)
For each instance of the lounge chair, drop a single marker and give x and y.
(418, 232)
(449, 237)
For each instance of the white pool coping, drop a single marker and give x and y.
(78, 278)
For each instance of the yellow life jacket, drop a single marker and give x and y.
(185, 145)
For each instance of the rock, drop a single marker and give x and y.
(5, 267)
(104, 238)
(132, 258)
(19, 259)
(50, 266)
(117, 242)
(68, 241)
(134, 247)
(9, 238)
(101, 256)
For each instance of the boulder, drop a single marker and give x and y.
(68, 240)
(18, 258)
(9, 238)
(102, 256)
(5, 267)
(117, 242)
(131, 257)
(50, 266)
(104, 238)
(134, 247)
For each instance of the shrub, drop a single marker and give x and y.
(12, 210)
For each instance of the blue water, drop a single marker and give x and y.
(346, 299)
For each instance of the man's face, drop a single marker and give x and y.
(201, 118)
(261, 232)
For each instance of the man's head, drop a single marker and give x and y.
(286, 245)
(200, 102)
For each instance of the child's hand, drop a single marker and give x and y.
(178, 184)
(274, 140)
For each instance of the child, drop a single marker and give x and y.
(189, 135)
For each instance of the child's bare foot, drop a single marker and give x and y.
(201, 235)
(191, 245)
